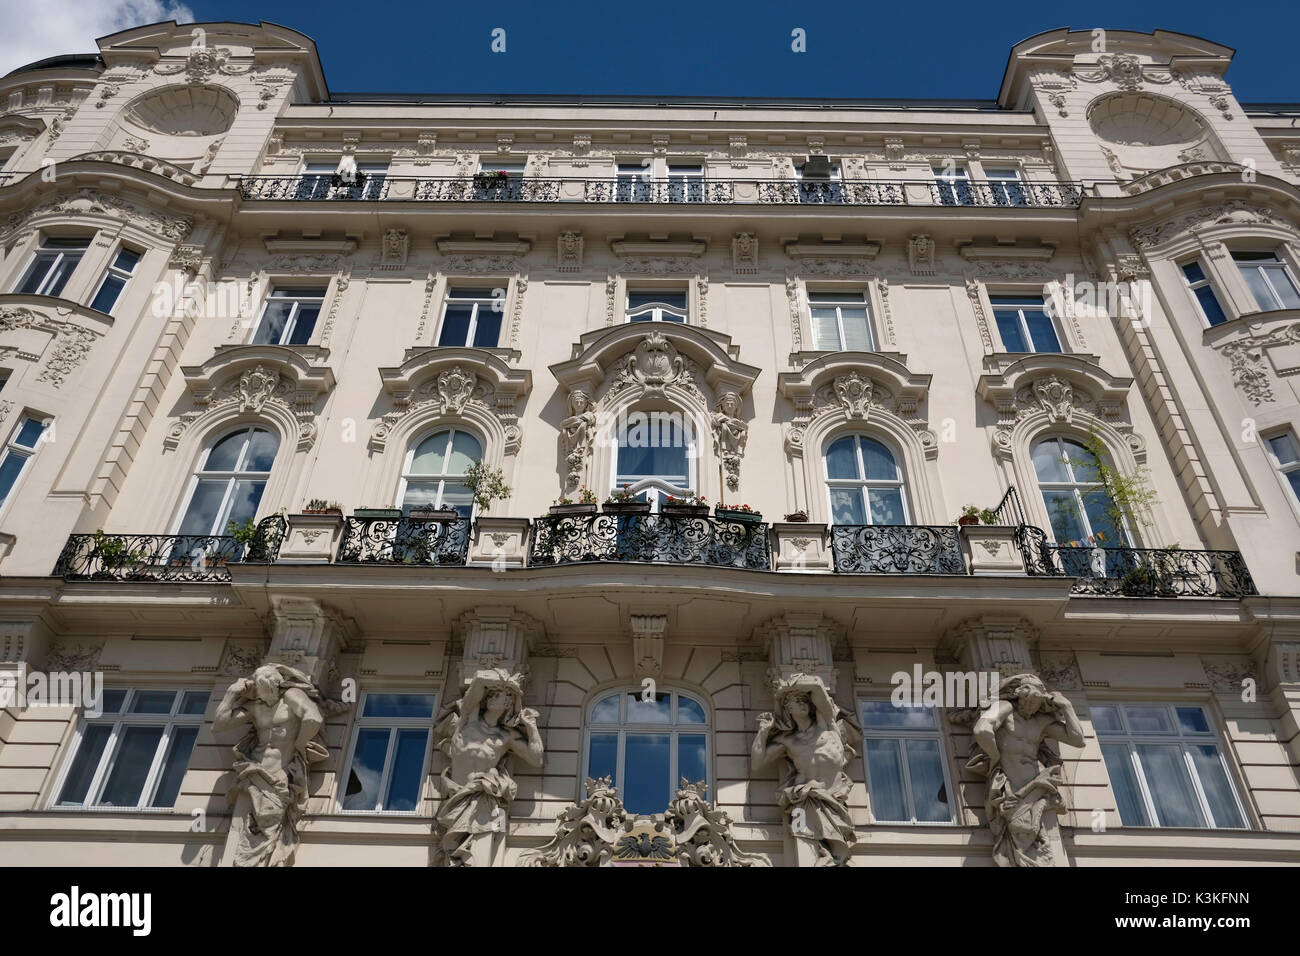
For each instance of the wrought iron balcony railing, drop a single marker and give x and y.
(1137, 572)
(652, 538)
(471, 189)
(412, 541)
(165, 557)
(896, 549)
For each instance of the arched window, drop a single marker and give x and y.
(229, 482)
(656, 455)
(864, 483)
(1081, 512)
(434, 473)
(647, 746)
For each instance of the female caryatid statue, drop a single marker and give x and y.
(578, 432)
(814, 739)
(478, 735)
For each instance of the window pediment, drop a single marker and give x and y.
(49, 329)
(1056, 383)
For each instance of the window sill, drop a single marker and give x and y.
(1214, 334)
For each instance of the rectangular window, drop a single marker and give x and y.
(136, 753)
(472, 317)
(1005, 187)
(1269, 280)
(820, 182)
(1024, 324)
(289, 317)
(1165, 766)
(907, 780)
(386, 767)
(685, 183)
(1198, 283)
(840, 322)
(632, 183)
(952, 186)
(657, 305)
(1282, 449)
(56, 258)
(511, 187)
(323, 181)
(18, 451)
(115, 279)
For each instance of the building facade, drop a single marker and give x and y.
(374, 430)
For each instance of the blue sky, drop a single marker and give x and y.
(722, 47)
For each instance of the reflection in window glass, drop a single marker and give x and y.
(386, 769)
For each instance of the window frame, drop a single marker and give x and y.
(944, 180)
(291, 324)
(935, 733)
(450, 297)
(673, 727)
(1184, 740)
(111, 271)
(394, 724)
(657, 308)
(1275, 259)
(863, 483)
(1284, 468)
(1073, 484)
(1194, 286)
(43, 286)
(812, 294)
(231, 477)
(108, 758)
(406, 474)
(1006, 302)
(11, 448)
(820, 192)
(656, 487)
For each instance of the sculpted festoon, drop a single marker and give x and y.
(1017, 737)
(479, 735)
(585, 832)
(813, 740)
(283, 712)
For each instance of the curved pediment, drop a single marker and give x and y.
(873, 377)
(258, 361)
(1058, 383)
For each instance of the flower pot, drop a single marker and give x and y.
(727, 514)
(438, 514)
(692, 511)
(627, 507)
(576, 509)
(488, 181)
(797, 516)
(377, 513)
(968, 519)
(322, 511)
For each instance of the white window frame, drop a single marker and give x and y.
(903, 734)
(685, 182)
(994, 308)
(231, 477)
(374, 175)
(834, 186)
(1203, 283)
(1284, 468)
(27, 453)
(394, 724)
(108, 759)
(1183, 739)
(944, 180)
(479, 303)
(674, 728)
(839, 316)
(656, 488)
(442, 479)
(289, 326)
(999, 180)
(864, 483)
(1077, 488)
(113, 270)
(53, 269)
(1259, 265)
(658, 310)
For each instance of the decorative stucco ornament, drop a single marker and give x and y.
(578, 433)
(585, 833)
(730, 435)
(703, 832)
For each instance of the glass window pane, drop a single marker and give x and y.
(1104, 519)
(274, 318)
(304, 324)
(842, 459)
(455, 325)
(465, 450)
(408, 764)
(885, 781)
(857, 334)
(113, 701)
(458, 496)
(1259, 287)
(925, 771)
(826, 333)
(1105, 719)
(657, 711)
(847, 506)
(82, 771)
(36, 273)
(62, 271)
(1283, 448)
(691, 762)
(1218, 792)
(1148, 720)
(1193, 271)
(398, 705)
(174, 766)
(367, 769)
(1013, 339)
(136, 747)
(689, 711)
(244, 501)
(645, 775)
(1170, 786)
(602, 757)
(1063, 512)
(1123, 781)
(421, 494)
(1214, 313)
(262, 446)
(1082, 462)
(109, 290)
(606, 710)
(153, 701)
(1192, 720)
(488, 331)
(838, 298)
(1283, 286)
(126, 259)
(1041, 331)
(10, 469)
(885, 714)
(430, 455)
(224, 455)
(194, 702)
(878, 461)
(886, 506)
(1048, 463)
(30, 433)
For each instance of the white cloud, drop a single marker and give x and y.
(36, 29)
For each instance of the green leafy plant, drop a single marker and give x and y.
(985, 515)
(693, 501)
(320, 504)
(745, 508)
(113, 552)
(245, 533)
(1129, 498)
(623, 495)
(488, 484)
(586, 496)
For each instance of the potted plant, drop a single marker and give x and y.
(971, 514)
(430, 513)
(319, 506)
(738, 513)
(491, 180)
(112, 551)
(373, 512)
(585, 504)
(693, 505)
(624, 501)
(488, 484)
(244, 533)
(797, 516)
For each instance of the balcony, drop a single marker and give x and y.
(650, 538)
(166, 557)
(896, 549)
(436, 542)
(779, 192)
(1137, 572)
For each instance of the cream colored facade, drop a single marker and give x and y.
(1128, 165)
